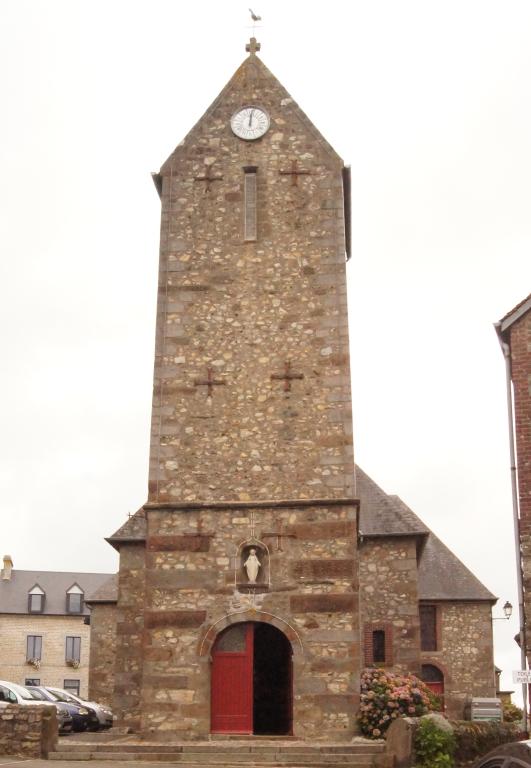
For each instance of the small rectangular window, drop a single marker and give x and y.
(378, 645)
(250, 203)
(428, 627)
(32, 681)
(72, 686)
(74, 603)
(33, 647)
(73, 649)
(35, 603)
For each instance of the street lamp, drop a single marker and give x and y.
(507, 612)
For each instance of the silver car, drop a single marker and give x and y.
(103, 713)
(13, 693)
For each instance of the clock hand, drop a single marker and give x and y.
(250, 117)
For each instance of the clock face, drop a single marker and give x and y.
(250, 123)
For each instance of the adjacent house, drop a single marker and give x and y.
(44, 626)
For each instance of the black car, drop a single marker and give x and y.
(83, 718)
(517, 754)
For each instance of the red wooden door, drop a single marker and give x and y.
(232, 681)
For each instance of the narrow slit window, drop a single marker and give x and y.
(250, 209)
(378, 645)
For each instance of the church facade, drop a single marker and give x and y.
(265, 569)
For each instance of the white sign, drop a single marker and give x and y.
(522, 676)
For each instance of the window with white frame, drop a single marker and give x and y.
(74, 599)
(36, 599)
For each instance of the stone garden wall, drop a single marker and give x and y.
(29, 732)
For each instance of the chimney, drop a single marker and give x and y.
(8, 567)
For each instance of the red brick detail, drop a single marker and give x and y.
(340, 529)
(368, 630)
(186, 543)
(324, 569)
(323, 603)
(158, 619)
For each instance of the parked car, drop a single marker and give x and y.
(82, 717)
(13, 693)
(103, 713)
(516, 754)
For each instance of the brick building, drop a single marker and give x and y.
(265, 570)
(44, 632)
(514, 332)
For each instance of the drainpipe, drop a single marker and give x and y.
(516, 519)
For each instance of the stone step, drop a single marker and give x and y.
(242, 752)
(355, 761)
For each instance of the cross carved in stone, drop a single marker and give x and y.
(208, 178)
(287, 377)
(209, 382)
(279, 535)
(295, 172)
(252, 46)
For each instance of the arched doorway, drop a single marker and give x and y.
(251, 681)
(434, 679)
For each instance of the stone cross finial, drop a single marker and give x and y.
(252, 46)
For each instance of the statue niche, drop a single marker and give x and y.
(252, 566)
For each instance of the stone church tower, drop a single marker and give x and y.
(238, 585)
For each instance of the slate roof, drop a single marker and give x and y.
(134, 529)
(441, 575)
(382, 514)
(14, 592)
(107, 593)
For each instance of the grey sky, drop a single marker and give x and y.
(429, 103)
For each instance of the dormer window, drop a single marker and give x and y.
(36, 598)
(74, 599)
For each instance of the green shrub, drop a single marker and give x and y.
(434, 748)
(511, 713)
(386, 696)
(474, 739)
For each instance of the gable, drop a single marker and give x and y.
(252, 83)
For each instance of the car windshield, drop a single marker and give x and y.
(39, 695)
(58, 696)
(22, 692)
(64, 696)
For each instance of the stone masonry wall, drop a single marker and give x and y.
(192, 567)
(246, 309)
(465, 653)
(520, 343)
(389, 597)
(129, 636)
(29, 732)
(53, 669)
(102, 653)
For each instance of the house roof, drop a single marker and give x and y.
(14, 591)
(513, 315)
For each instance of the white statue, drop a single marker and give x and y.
(252, 566)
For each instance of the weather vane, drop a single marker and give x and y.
(255, 18)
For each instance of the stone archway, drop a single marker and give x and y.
(251, 680)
